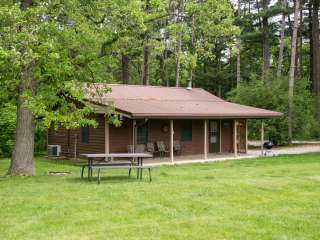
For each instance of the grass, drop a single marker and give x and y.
(266, 198)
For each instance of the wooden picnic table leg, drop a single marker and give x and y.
(141, 164)
(150, 176)
(89, 166)
(98, 175)
(138, 170)
(82, 170)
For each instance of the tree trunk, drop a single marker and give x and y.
(316, 55)
(193, 47)
(179, 16)
(281, 48)
(125, 68)
(299, 45)
(163, 69)
(238, 50)
(292, 69)
(178, 63)
(310, 45)
(266, 44)
(300, 72)
(146, 54)
(22, 156)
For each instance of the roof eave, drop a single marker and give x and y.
(203, 116)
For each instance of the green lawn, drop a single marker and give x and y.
(266, 198)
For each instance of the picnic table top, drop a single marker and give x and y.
(124, 155)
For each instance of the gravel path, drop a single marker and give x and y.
(297, 149)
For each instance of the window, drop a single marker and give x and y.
(142, 134)
(186, 131)
(85, 134)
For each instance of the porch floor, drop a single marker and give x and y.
(252, 153)
(199, 158)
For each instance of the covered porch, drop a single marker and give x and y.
(198, 139)
(198, 158)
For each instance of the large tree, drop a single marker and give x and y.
(292, 68)
(282, 38)
(315, 48)
(49, 50)
(22, 156)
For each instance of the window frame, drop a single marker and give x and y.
(186, 126)
(146, 126)
(85, 140)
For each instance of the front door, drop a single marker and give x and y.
(214, 136)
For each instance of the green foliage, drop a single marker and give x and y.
(273, 95)
(47, 52)
(7, 129)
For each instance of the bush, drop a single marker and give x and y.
(273, 95)
(8, 127)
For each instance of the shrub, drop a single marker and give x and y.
(273, 95)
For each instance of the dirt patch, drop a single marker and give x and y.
(60, 173)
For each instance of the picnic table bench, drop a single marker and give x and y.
(149, 167)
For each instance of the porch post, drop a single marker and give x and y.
(246, 135)
(171, 140)
(235, 148)
(220, 136)
(106, 136)
(205, 141)
(134, 135)
(262, 136)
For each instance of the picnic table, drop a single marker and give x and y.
(109, 160)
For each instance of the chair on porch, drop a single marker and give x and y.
(151, 148)
(140, 148)
(130, 149)
(177, 147)
(162, 148)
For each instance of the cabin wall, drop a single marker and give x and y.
(156, 131)
(121, 137)
(196, 146)
(71, 139)
(227, 135)
(156, 128)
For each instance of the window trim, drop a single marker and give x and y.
(146, 125)
(88, 135)
(185, 126)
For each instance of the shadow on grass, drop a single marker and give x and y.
(107, 179)
(63, 162)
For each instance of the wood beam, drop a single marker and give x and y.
(134, 123)
(205, 134)
(235, 148)
(246, 135)
(106, 136)
(220, 136)
(75, 146)
(262, 136)
(171, 140)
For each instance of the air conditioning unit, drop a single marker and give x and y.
(54, 150)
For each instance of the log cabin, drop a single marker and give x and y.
(199, 121)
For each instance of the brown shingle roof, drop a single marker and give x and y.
(165, 102)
